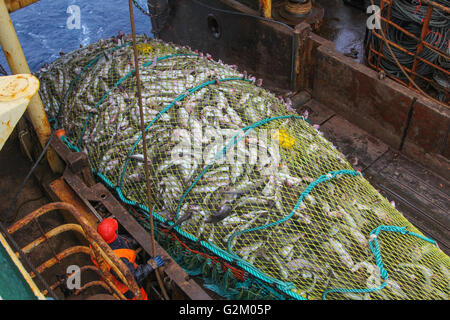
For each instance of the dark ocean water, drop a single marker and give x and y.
(43, 32)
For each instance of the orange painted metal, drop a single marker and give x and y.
(420, 46)
(436, 5)
(61, 191)
(375, 55)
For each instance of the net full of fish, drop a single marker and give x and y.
(222, 174)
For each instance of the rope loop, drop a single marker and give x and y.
(375, 248)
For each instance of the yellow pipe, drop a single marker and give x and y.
(18, 64)
(14, 5)
(266, 7)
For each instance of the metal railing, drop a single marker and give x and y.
(97, 249)
(412, 46)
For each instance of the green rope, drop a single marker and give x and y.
(226, 279)
(75, 80)
(222, 153)
(69, 145)
(247, 267)
(309, 188)
(281, 285)
(375, 248)
(169, 106)
(129, 74)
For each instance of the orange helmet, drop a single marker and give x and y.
(107, 229)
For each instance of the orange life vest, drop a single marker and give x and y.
(130, 255)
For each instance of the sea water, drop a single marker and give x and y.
(48, 27)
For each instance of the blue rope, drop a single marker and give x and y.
(72, 83)
(169, 106)
(375, 248)
(69, 145)
(222, 153)
(122, 80)
(285, 287)
(309, 188)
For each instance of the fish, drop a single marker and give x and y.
(221, 214)
(192, 114)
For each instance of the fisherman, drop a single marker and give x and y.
(124, 248)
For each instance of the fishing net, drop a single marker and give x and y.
(246, 192)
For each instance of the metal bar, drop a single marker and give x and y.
(426, 44)
(47, 240)
(76, 228)
(171, 268)
(392, 77)
(437, 5)
(98, 244)
(420, 45)
(18, 64)
(266, 8)
(92, 284)
(52, 233)
(412, 54)
(71, 188)
(389, 18)
(61, 192)
(398, 62)
(22, 256)
(100, 273)
(60, 256)
(389, 76)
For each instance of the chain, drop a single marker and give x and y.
(137, 5)
(158, 18)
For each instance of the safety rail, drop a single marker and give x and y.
(411, 46)
(98, 249)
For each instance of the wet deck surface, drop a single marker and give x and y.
(420, 195)
(345, 26)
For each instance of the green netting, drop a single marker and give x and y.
(241, 176)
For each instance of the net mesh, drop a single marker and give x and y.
(238, 173)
